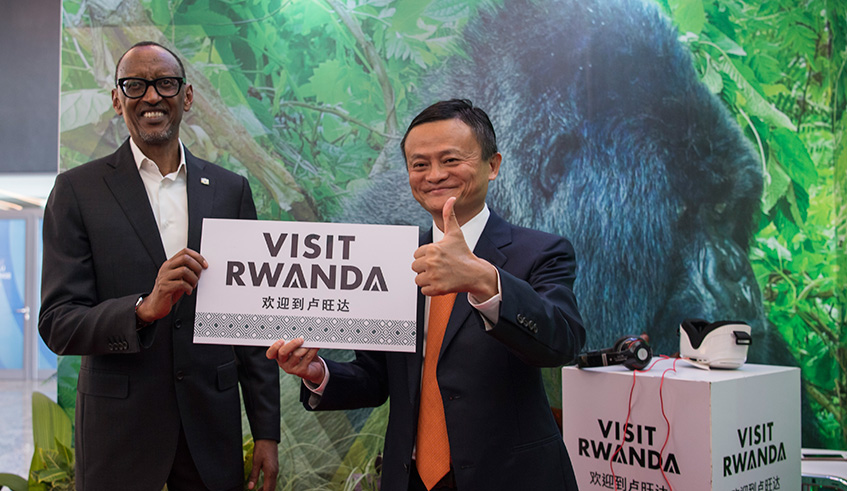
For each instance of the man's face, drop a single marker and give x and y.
(151, 119)
(444, 159)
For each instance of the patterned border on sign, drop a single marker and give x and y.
(317, 329)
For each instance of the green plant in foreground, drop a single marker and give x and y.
(13, 482)
(52, 466)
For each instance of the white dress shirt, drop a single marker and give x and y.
(168, 197)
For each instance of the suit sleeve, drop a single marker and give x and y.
(73, 320)
(539, 320)
(360, 383)
(258, 376)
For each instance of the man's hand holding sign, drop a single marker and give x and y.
(294, 359)
(177, 276)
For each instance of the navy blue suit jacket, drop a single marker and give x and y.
(501, 430)
(102, 249)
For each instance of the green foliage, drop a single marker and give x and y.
(322, 450)
(67, 373)
(52, 466)
(365, 479)
(321, 81)
(358, 469)
(83, 107)
(13, 482)
(779, 68)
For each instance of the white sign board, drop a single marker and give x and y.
(335, 285)
(726, 430)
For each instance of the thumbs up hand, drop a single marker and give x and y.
(450, 266)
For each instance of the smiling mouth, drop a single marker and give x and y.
(152, 114)
(440, 190)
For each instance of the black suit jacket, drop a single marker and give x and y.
(102, 249)
(501, 429)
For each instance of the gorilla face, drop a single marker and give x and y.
(610, 139)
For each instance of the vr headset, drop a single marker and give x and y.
(721, 344)
(632, 352)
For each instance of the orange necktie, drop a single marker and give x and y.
(433, 448)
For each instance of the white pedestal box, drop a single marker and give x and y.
(730, 430)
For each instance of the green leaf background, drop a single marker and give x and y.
(782, 75)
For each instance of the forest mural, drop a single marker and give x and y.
(692, 150)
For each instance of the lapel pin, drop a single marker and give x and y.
(204, 181)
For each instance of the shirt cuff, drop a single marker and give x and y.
(317, 390)
(490, 309)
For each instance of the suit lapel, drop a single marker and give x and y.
(496, 235)
(201, 191)
(128, 190)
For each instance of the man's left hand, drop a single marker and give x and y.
(449, 266)
(266, 459)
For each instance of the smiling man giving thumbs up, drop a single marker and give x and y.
(468, 408)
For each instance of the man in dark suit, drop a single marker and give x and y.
(468, 408)
(152, 407)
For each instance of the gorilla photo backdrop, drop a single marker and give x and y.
(692, 150)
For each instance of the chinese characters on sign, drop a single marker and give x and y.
(288, 303)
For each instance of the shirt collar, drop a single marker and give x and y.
(472, 230)
(140, 158)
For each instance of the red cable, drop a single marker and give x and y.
(623, 433)
(667, 422)
(628, 413)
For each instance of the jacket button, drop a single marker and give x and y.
(178, 323)
(180, 375)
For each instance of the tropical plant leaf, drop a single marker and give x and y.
(777, 183)
(83, 107)
(712, 78)
(50, 424)
(368, 443)
(51, 475)
(688, 15)
(13, 482)
(794, 158)
(754, 103)
(65, 459)
(67, 374)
